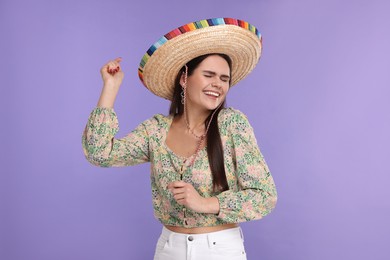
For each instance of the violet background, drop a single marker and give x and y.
(318, 101)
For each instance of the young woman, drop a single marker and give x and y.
(207, 173)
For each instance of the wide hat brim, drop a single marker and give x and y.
(238, 39)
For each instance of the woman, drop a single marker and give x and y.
(207, 173)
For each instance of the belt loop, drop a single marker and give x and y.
(170, 238)
(210, 240)
(242, 234)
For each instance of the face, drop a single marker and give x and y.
(209, 83)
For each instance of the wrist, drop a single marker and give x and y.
(211, 205)
(111, 86)
(107, 97)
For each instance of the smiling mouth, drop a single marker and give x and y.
(211, 93)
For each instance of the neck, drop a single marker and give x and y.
(196, 118)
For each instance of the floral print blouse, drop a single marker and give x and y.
(251, 194)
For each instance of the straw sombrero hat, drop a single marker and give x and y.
(238, 39)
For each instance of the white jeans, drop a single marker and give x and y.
(221, 245)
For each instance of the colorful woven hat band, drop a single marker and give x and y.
(238, 39)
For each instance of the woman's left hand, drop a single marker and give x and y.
(186, 195)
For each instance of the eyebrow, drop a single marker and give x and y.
(213, 73)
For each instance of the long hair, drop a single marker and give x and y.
(214, 143)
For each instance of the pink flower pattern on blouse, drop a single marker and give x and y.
(251, 195)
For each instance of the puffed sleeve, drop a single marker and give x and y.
(102, 149)
(256, 195)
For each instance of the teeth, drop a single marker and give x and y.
(212, 93)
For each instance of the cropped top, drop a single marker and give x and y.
(251, 194)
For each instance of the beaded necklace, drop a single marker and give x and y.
(203, 136)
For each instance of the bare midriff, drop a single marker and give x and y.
(200, 230)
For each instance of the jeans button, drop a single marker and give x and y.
(190, 238)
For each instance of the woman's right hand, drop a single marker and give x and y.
(112, 73)
(112, 76)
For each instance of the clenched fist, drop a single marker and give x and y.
(112, 73)
(112, 76)
(186, 195)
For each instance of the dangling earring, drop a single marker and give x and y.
(183, 88)
(182, 96)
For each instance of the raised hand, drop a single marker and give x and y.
(112, 73)
(112, 76)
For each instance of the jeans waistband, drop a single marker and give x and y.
(211, 238)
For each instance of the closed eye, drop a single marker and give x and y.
(225, 78)
(210, 74)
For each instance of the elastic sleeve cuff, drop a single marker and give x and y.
(104, 120)
(224, 209)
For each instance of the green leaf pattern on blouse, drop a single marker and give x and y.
(251, 195)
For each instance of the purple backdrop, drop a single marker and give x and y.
(318, 100)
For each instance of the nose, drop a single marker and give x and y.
(216, 85)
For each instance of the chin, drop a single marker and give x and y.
(213, 106)
(210, 104)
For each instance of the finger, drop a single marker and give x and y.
(113, 64)
(112, 69)
(176, 184)
(116, 62)
(115, 69)
(180, 196)
(181, 202)
(178, 191)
